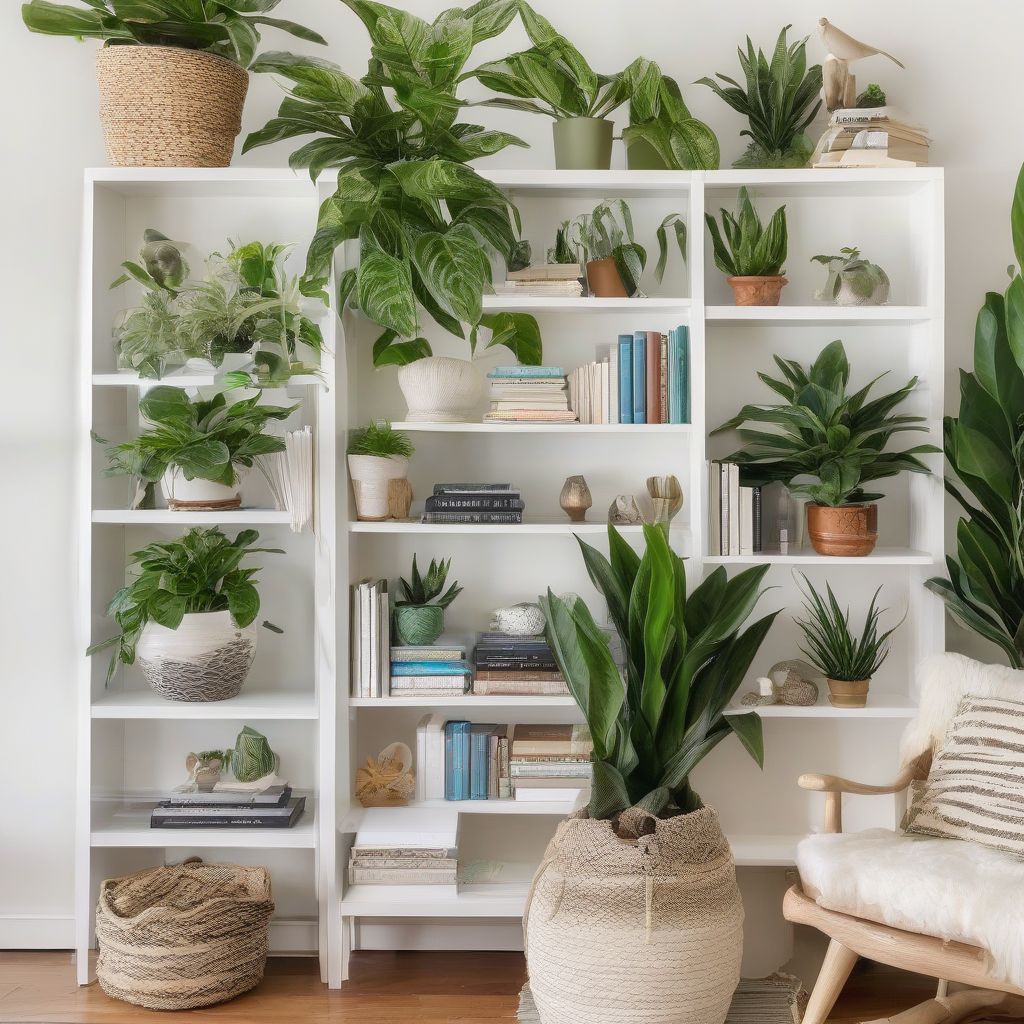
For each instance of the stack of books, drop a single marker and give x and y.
(529, 394)
(544, 279)
(407, 846)
(371, 638)
(735, 513)
(871, 137)
(476, 761)
(513, 666)
(550, 762)
(436, 670)
(189, 807)
(474, 503)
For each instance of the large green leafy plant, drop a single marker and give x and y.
(423, 218)
(744, 247)
(685, 658)
(779, 98)
(828, 444)
(227, 28)
(199, 572)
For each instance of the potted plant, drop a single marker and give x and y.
(419, 615)
(615, 894)
(852, 280)
(847, 661)
(751, 255)
(377, 455)
(189, 615)
(196, 449)
(779, 98)
(828, 444)
(172, 75)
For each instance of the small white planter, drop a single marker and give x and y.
(205, 659)
(371, 475)
(195, 495)
(439, 389)
(847, 296)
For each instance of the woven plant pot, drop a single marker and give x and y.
(176, 938)
(440, 389)
(162, 106)
(197, 495)
(648, 931)
(206, 658)
(418, 624)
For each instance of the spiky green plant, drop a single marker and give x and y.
(748, 248)
(428, 587)
(382, 440)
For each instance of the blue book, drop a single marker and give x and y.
(675, 391)
(430, 668)
(684, 372)
(640, 377)
(625, 396)
(479, 757)
(456, 760)
(527, 371)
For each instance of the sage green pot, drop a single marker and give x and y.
(417, 624)
(642, 156)
(583, 143)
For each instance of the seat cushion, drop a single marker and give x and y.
(941, 887)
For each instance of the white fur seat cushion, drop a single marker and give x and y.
(947, 888)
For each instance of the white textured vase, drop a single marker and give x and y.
(439, 389)
(371, 475)
(189, 495)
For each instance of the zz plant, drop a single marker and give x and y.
(685, 658)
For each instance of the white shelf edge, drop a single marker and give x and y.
(585, 303)
(626, 429)
(553, 529)
(820, 314)
(130, 379)
(880, 556)
(468, 701)
(222, 517)
(878, 706)
(251, 705)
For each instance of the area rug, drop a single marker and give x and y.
(779, 999)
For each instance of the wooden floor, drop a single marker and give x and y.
(385, 988)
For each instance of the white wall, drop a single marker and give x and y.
(962, 80)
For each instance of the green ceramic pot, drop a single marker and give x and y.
(418, 624)
(583, 143)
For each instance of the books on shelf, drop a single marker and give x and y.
(516, 666)
(527, 394)
(550, 762)
(735, 512)
(546, 272)
(540, 289)
(871, 137)
(435, 670)
(474, 503)
(371, 638)
(405, 846)
(276, 808)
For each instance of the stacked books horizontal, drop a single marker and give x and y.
(528, 394)
(514, 666)
(735, 513)
(544, 279)
(273, 807)
(474, 503)
(408, 846)
(371, 638)
(435, 670)
(550, 762)
(871, 137)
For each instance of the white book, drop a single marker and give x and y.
(605, 413)
(746, 520)
(373, 640)
(364, 639)
(430, 768)
(354, 644)
(714, 508)
(734, 508)
(724, 511)
(613, 385)
(568, 794)
(421, 828)
(383, 649)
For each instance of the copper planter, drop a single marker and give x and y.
(757, 291)
(845, 530)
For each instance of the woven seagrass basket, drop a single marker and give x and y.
(174, 938)
(162, 106)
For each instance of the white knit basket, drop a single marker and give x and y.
(439, 389)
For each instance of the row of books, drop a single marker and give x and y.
(516, 666)
(188, 807)
(405, 846)
(544, 279)
(440, 670)
(474, 503)
(871, 137)
(528, 394)
(735, 512)
(370, 638)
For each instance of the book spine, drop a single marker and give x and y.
(746, 520)
(435, 763)
(675, 394)
(516, 688)
(420, 775)
(663, 379)
(355, 645)
(438, 503)
(478, 747)
(714, 508)
(429, 668)
(492, 765)
(473, 488)
(756, 502)
(502, 664)
(472, 517)
(652, 402)
(400, 876)
(429, 682)
(456, 775)
(523, 676)
(403, 862)
(625, 347)
(374, 642)
(254, 820)
(613, 384)
(383, 652)
(527, 371)
(364, 640)
(640, 377)
(734, 509)
(684, 371)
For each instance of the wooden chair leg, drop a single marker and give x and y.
(839, 962)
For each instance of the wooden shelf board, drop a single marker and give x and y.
(253, 703)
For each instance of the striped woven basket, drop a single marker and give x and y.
(175, 938)
(162, 106)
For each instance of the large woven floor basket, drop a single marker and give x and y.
(644, 930)
(162, 106)
(174, 938)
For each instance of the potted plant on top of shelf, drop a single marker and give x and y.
(378, 455)
(419, 615)
(828, 446)
(685, 657)
(189, 615)
(172, 75)
(195, 448)
(853, 280)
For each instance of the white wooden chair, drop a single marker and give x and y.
(911, 927)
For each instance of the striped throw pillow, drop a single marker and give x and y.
(975, 789)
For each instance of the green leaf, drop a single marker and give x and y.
(608, 793)
(384, 288)
(518, 332)
(449, 266)
(243, 603)
(389, 352)
(748, 728)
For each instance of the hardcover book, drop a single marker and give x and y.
(456, 757)
(640, 377)
(625, 378)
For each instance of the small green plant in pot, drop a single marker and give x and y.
(846, 660)
(750, 254)
(685, 656)
(419, 614)
(378, 462)
(853, 280)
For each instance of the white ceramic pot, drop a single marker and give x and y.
(848, 296)
(206, 658)
(191, 495)
(439, 389)
(370, 476)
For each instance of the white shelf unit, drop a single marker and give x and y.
(131, 742)
(896, 217)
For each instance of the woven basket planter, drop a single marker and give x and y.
(648, 931)
(175, 938)
(162, 106)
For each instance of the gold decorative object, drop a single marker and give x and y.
(575, 498)
(666, 496)
(386, 780)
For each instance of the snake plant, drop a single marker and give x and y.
(744, 247)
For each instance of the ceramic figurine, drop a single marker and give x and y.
(839, 87)
(575, 498)
(387, 780)
(623, 511)
(763, 695)
(251, 757)
(792, 682)
(519, 620)
(204, 768)
(666, 497)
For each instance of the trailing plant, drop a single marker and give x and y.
(205, 439)
(828, 444)
(428, 587)
(685, 658)
(831, 644)
(872, 96)
(748, 248)
(227, 28)
(381, 440)
(424, 219)
(779, 98)
(984, 447)
(199, 572)
(863, 277)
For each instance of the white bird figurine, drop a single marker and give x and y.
(839, 87)
(845, 47)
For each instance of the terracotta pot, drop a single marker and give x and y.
(757, 291)
(603, 280)
(848, 693)
(850, 530)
